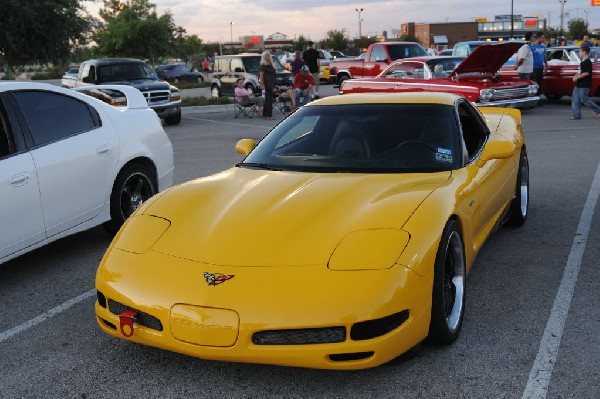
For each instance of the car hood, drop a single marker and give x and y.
(487, 58)
(245, 217)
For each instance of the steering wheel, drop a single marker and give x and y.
(418, 142)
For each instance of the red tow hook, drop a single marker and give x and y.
(126, 320)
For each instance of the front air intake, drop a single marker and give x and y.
(303, 336)
(376, 328)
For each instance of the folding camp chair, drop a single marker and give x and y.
(245, 108)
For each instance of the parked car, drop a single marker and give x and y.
(69, 78)
(338, 54)
(325, 59)
(341, 241)
(228, 68)
(473, 77)
(378, 57)
(161, 96)
(563, 64)
(463, 49)
(69, 162)
(178, 73)
(445, 52)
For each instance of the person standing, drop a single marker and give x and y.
(206, 67)
(586, 41)
(267, 83)
(297, 63)
(311, 59)
(583, 83)
(524, 64)
(540, 65)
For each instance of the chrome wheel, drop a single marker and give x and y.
(135, 191)
(454, 282)
(214, 92)
(524, 188)
(520, 204)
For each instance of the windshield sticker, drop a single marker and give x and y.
(443, 155)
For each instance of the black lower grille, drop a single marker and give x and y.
(345, 357)
(303, 336)
(376, 328)
(142, 318)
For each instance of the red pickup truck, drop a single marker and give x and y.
(377, 58)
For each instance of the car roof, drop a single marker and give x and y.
(389, 98)
(102, 61)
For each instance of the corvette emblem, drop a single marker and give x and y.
(216, 278)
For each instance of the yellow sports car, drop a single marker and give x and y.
(341, 241)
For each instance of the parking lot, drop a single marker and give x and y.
(532, 293)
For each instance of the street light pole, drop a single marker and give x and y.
(562, 15)
(359, 21)
(512, 16)
(231, 33)
(587, 12)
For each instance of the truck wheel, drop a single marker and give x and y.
(215, 91)
(250, 88)
(173, 120)
(176, 80)
(341, 79)
(200, 79)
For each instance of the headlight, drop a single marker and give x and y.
(175, 94)
(533, 89)
(486, 94)
(140, 233)
(369, 250)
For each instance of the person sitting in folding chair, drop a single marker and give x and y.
(246, 102)
(303, 84)
(283, 96)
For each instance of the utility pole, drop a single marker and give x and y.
(562, 16)
(359, 21)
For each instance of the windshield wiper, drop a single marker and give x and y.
(259, 165)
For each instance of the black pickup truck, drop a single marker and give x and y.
(162, 97)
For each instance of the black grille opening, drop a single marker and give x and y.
(378, 327)
(143, 319)
(345, 357)
(101, 299)
(108, 323)
(302, 336)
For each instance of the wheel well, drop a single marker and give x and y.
(147, 163)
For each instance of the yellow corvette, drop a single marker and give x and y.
(341, 241)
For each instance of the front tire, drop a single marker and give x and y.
(449, 287)
(173, 120)
(553, 97)
(520, 204)
(200, 79)
(215, 91)
(134, 184)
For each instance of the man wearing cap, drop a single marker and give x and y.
(303, 86)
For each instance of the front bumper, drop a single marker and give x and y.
(528, 102)
(171, 108)
(258, 299)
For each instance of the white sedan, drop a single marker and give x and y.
(69, 162)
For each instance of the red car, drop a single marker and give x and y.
(474, 77)
(563, 63)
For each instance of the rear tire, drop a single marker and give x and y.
(520, 204)
(215, 91)
(553, 97)
(200, 79)
(341, 79)
(449, 287)
(134, 184)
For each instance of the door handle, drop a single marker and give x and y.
(19, 180)
(104, 150)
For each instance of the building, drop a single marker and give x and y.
(447, 34)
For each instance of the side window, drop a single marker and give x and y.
(377, 54)
(236, 65)
(460, 51)
(52, 116)
(6, 143)
(474, 131)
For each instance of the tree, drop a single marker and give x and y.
(364, 42)
(577, 28)
(336, 40)
(134, 29)
(42, 30)
(300, 43)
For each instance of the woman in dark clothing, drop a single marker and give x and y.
(267, 83)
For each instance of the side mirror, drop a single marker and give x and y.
(238, 69)
(244, 146)
(497, 150)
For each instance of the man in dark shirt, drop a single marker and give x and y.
(583, 83)
(311, 59)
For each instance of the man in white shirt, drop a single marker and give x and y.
(524, 65)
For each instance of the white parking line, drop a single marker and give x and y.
(539, 377)
(228, 123)
(52, 312)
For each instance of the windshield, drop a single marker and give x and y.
(443, 67)
(127, 71)
(364, 138)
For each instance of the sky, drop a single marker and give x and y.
(212, 20)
